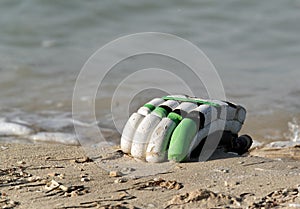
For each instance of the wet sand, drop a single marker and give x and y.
(58, 176)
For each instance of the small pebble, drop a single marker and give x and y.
(67, 194)
(4, 148)
(121, 180)
(84, 179)
(84, 175)
(64, 188)
(11, 204)
(61, 176)
(74, 194)
(53, 174)
(226, 183)
(18, 187)
(21, 162)
(127, 170)
(223, 170)
(259, 169)
(34, 178)
(52, 185)
(115, 173)
(285, 192)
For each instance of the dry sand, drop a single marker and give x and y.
(57, 176)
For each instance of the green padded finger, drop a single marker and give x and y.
(176, 118)
(181, 139)
(150, 106)
(161, 112)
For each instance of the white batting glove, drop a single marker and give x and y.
(173, 127)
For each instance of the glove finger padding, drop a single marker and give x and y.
(147, 125)
(159, 140)
(170, 128)
(134, 121)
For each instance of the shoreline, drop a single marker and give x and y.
(59, 176)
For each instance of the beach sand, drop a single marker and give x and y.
(58, 176)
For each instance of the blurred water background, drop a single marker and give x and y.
(254, 45)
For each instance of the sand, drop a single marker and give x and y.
(58, 176)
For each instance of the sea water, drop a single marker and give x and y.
(254, 45)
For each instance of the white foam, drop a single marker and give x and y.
(14, 129)
(283, 144)
(55, 137)
(293, 136)
(256, 144)
(294, 130)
